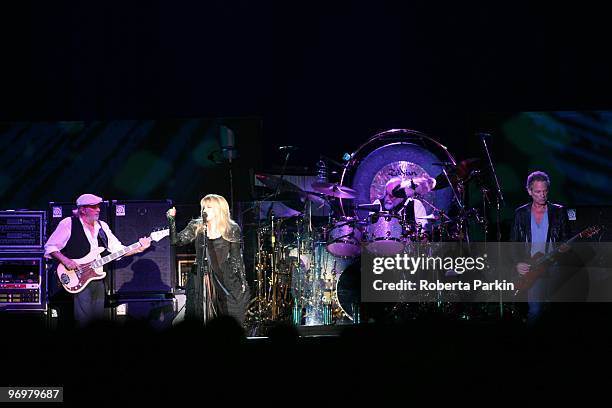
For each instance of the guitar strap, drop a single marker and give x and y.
(103, 237)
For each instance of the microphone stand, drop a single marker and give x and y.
(500, 196)
(231, 180)
(205, 269)
(499, 201)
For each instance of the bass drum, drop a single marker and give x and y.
(348, 293)
(395, 153)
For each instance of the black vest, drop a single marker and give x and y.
(78, 244)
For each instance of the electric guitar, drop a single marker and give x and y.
(90, 268)
(539, 262)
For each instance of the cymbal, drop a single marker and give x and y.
(428, 217)
(334, 190)
(466, 168)
(273, 183)
(424, 184)
(406, 187)
(369, 207)
(462, 172)
(279, 209)
(442, 181)
(316, 199)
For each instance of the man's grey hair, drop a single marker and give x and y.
(537, 176)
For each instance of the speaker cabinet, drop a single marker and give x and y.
(582, 217)
(156, 312)
(60, 210)
(152, 271)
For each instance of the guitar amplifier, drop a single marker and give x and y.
(22, 231)
(60, 210)
(582, 217)
(152, 271)
(22, 282)
(156, 311)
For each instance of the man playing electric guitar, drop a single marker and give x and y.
(74, 238)
(540, 225)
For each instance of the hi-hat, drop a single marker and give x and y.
(334, 190)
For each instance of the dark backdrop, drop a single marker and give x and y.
(323, 76)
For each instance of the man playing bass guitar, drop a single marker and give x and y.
(75, 237)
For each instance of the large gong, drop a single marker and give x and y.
(396, 153)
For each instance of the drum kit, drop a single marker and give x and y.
(307, 266)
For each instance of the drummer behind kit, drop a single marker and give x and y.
(307, 266)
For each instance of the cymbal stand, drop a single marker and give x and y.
(273, 290)
(258, 309)
(273, 261)
(433, 207)
(463, 216)
(438, 211)
(297, 301)
(459, 203)
(261, 283)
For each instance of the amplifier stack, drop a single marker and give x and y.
(23, 278)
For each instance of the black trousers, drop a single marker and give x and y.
(89, 304)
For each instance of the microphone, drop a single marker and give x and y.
(204, 215)
(442, 164)
(288, 148)
(483, 134)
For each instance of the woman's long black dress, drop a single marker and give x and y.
(222, 290)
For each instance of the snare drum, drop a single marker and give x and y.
(385, 233)
(344, 238)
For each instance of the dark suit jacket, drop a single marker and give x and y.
(558, 226)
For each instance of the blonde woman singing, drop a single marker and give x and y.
(217, 285)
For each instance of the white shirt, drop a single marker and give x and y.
(58, 240)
